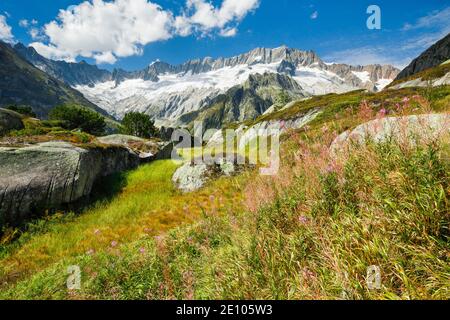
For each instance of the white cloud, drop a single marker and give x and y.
(108, 30)
(230, 32)
(434, 19)
(105, 57)
(424, 41)
(23, 23)
(36, 34)
(314, 15)
(206, 17)
(5, 30)
(52, 52)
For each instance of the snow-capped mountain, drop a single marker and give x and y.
(169, 93)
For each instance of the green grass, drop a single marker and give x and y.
(426, 75)
(308, 233)
(334, 106)
(146, 204)
(387, 205)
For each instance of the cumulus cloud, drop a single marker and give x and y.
(206, 17)
(52, 52)
(5, 30)
(108, 30)
(229, 32)
(36, 34)
(24, 23)
(105, 30)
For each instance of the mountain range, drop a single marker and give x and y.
(215, 91)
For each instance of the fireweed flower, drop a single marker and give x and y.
(303, 220)
(382, 113)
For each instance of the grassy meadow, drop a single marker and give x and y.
(309, 232)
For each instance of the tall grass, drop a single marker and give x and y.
(311, 232)
(147, 206)
(385, 205)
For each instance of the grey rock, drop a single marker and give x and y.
(193, 175)
(190, 177)
(120, 139)
(48, 175)
(412, 128)
(147, 150)
(419, 82)
(250, 133)
(10, 120)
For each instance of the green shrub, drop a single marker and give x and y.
(139, 125)
(25, 110)
(76, 117)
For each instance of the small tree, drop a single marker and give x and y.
(139, 125)
(77, 117)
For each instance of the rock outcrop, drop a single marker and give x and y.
(420, 82)
(48, 175)
(410, 128)
(147, 150)
(10, 120)
(192, 176)
(246, 134)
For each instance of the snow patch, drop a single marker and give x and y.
(364, 76)
(382, 83)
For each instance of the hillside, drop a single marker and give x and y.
(23, 84)
(432, 57)
(247, 101)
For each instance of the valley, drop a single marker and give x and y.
(89, 178)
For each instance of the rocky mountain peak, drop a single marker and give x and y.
(432, 57)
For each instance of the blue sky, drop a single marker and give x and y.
(175, 31)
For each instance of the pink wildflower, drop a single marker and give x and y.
(303, 220)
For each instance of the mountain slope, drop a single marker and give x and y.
(22, 83)
(432, 57)
(246, 101)
(73, 74)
